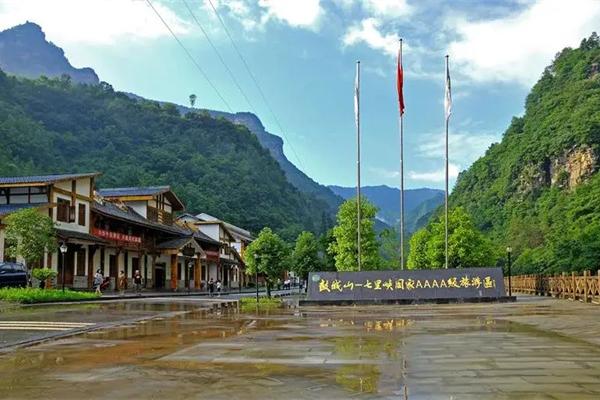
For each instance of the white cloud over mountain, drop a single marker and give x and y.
(92, 21)
(519, 46)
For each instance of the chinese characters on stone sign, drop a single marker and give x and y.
(401, 284)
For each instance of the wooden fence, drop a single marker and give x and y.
(584, 287)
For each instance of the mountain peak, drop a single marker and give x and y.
(25, 51)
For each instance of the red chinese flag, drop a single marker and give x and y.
(400, 82)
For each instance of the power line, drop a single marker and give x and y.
(231, 74)
(262, 94)
(190, 56)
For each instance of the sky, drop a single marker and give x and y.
(302, 54)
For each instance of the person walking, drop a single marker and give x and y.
(122, 283)
(98, 279)
(211, 287)
(218, 287)
(137, 281)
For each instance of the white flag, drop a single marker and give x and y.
(448, 97)
(357, 93)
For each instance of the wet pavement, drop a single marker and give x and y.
(533, 349)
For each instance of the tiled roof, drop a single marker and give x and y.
(205, 238)
(127, 214)
(15, 180)
(6, 209)
(176, 243)
(64, 234)
(133, 191)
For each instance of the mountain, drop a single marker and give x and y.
(215, 166)
(417, 203)
(538, 190)
(274, 144)
(25, 51)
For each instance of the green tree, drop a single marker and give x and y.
(389, 250)
(269, 255)
(328, 260)
(467, 247)
(345, 246)
(305, 257)
(29, 234)
(192, 100)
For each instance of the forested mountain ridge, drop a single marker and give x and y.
(538, 190)
(25, 51)
(274, 144)
(54, 126)
(418, 203)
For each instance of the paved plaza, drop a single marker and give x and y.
(537, 348)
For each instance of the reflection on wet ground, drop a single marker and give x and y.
(470, 351)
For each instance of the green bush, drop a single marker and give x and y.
(34, 295)
(42, 274)
(265, 303)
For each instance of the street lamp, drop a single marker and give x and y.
(508, 254)
(63, 249)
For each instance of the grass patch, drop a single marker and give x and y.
(264, 303)
(35, 295)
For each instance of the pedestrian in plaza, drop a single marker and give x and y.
(137, 281)
(218, 287)
(211, 287)
(98, 279)
(122, 283)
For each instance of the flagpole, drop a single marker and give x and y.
(401, 179)
(446, 192)
(357, 94)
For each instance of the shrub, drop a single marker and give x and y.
(42, 274)
(265, 303)
(34, 295)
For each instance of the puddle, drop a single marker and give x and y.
(466, 351)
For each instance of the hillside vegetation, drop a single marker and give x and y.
(538, 190)
(215, 166)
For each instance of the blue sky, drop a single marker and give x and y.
(303, 54)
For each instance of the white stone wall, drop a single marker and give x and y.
(140, 207)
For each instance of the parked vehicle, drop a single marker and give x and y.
(13, 275)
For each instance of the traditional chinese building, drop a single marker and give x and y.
(67, 200)
(229, 266)
(138, 222)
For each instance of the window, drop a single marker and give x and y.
(63, 210)
(82, 216)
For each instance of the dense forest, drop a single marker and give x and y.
(215, 166)
(538, 190)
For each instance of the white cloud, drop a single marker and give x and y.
(296, 13)
(436, 176)
(240, 10)
(466, 147)
(92, 21)
(367, 31)
(519, 46)
(388, 8)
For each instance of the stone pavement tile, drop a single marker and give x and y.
(570, 396)
(572, 378)
(534, 388)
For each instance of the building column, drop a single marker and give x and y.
(145, 270)
(90, 260)
(197, 276)
(153, 270)
(174, 272)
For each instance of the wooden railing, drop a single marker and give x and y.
(584, 287)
